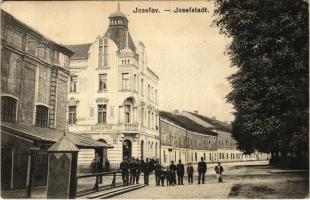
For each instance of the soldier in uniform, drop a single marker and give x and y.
(132, 166)
(219, 170)
(157, 169)
(202, 169)
(168, 176)
(138, 170)
(146, 171)
(180, 172)
(190, 172)
(173, 169)
(162, 177)
(124, 167)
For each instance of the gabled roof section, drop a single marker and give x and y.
(218, 124)
(50, 136)
(186, 123)
(80, 50)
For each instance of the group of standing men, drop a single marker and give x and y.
(131, 170)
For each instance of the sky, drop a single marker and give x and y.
(184, 49)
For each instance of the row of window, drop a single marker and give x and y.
(102, 115)
(9, 112)
(152, 93)
(212, 156)
(33, 48)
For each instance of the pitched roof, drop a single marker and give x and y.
(47, 135)
(80, 50)
(63, 145)
(186, 123)
(218, 124)
(5, 16)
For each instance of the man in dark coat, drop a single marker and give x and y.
(180, 172)
(219, 170)
(96, 168)
(146, 171)
(157, 169)
(124, 167)
(190, 172)
(173, 169)
(138, 170)
(162, 177)
(202, 169)
(168, 176)
(132, 171)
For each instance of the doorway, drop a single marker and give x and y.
(127, 147)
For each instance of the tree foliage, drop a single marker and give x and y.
(270, 95)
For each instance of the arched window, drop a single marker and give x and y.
(8, 109)
(41, 116)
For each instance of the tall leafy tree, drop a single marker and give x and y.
(270, 49)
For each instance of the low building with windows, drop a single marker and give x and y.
(189, 136)
(183, 139)
(113, 95)
(34, 78)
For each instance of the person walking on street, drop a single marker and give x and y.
(157, 169)
(180, 172)
(190, 173)
(138, 170)
(124, 167)
(132, 167)
(219, 170)
(202, 169)
(173, 169)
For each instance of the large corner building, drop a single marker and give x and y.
(113, 95)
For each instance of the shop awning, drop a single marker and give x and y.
(50, 136)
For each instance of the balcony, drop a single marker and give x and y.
(106, 128)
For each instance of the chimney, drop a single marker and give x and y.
(176, 111)
(196, 112)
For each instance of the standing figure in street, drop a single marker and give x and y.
(138, 170)
(96, 168)
(146, 171)
(190, 172)
(107, 165)
(124, 167)
(132, 166)
(219, 170)
(180, 172)
(173, 170)
(162, 177)
(157, 169)
(202, 169)
(168, 176)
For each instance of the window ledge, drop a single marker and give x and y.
(102, 91)
(104, 68)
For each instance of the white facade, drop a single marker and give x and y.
(113, 98)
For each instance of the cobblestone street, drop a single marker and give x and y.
(253, 179)
(241, 180)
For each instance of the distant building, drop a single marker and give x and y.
(113, 95)
(189, 136)
(34, 77)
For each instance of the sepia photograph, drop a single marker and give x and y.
(155, 99)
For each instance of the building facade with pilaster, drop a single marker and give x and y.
(113, 95)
